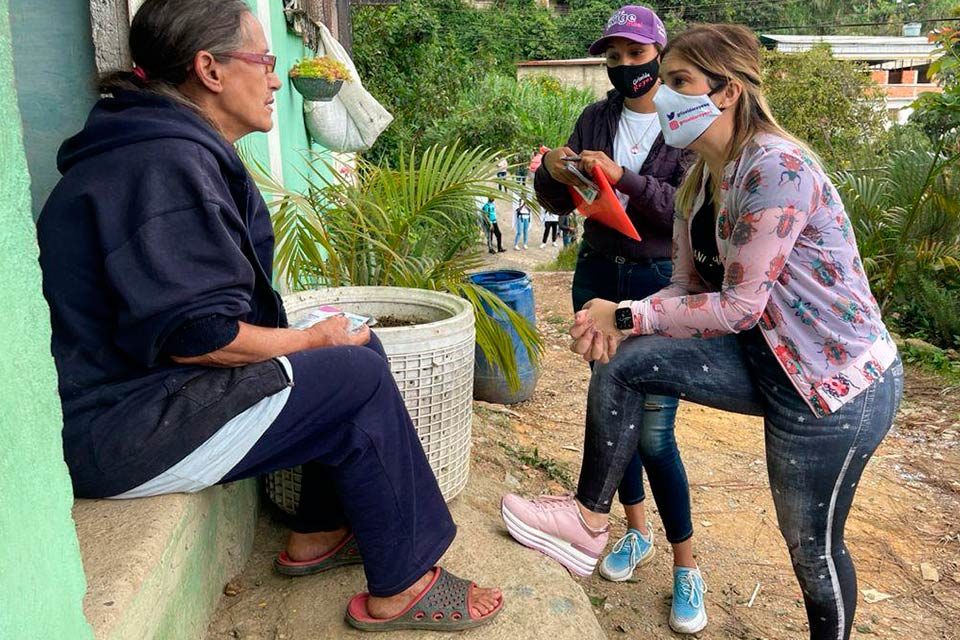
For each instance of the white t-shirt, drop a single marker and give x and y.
(635, 137)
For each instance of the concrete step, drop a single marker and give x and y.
(542, 600)
(156, 567)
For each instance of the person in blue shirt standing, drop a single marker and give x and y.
(490, 210)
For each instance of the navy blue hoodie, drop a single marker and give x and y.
(155, 236)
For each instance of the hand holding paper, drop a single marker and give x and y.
(605, 208)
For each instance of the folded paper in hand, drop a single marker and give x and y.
(326, 312)
(586, 187)
(602, 205)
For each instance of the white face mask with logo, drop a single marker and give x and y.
(684, 118)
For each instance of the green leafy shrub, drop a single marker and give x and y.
(420, 56)
(906, 216)
(566, 259)
(935, 361)
(517, 116)
(932, 313)
(831, 104)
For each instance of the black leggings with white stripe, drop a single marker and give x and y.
(814, 464)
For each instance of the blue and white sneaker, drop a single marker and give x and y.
(688, 614)
(631, 551)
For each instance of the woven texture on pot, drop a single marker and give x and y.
(317, 89)
(433, 365)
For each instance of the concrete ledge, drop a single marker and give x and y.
(156, 567)
(543, 602)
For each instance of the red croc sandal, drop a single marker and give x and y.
(443, 606)
(346, 552)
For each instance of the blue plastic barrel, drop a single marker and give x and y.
(489, 383)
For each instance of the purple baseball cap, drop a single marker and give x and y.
(632, 22)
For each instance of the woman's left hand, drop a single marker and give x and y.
(594, 331)
(591, 159)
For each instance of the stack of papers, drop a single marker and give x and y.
(587, 188)
(325, 312)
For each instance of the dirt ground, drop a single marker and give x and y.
(907, 512)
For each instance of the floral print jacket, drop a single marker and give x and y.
(791, 264)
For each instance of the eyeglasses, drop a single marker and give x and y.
(267, 60)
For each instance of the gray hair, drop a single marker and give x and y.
(165, 37)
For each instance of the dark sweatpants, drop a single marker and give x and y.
(363, 465)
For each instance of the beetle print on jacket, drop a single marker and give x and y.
(792, 265)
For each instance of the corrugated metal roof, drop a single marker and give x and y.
(866, 48)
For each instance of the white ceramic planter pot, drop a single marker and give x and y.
(432, 362)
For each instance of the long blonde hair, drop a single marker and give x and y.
(725, 52)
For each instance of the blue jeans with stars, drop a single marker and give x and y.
(813, 464)
(601, 276)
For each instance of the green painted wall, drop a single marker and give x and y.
(53, 64)
(41, 577)
(293, 138)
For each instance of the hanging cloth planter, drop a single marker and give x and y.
(353, 120)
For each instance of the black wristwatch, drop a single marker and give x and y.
(623, 318)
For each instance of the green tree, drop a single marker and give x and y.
(939, 113)
(516, 116)
(582, 24)
(752, 13)
(420, 56)
(831, 104)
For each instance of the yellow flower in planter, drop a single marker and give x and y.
(319, 79)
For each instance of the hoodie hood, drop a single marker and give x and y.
(132, 117)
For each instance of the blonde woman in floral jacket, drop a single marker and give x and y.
(768, 313)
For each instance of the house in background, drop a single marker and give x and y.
(578, 73)
(899, 65)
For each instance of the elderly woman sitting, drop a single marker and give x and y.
(176, 369)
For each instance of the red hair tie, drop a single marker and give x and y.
(140, 72)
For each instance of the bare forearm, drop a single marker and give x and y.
(253, 344)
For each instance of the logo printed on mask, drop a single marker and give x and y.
(642, 81)
(684, 118)
(634, 80)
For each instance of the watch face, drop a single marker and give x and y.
(624, 318)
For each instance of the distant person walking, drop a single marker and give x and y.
(568, 228)
(502, 167)
(490, 211)
(522, 224)
(550, 225)
(484, 222)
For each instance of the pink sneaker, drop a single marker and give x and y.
(554, 526)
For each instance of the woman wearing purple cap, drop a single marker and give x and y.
(769, 313)
(621, 134)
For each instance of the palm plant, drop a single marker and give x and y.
(907, 217)
(414, 226)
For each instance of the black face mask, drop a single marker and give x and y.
(634, 80)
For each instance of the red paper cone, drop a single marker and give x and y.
(606, 209)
